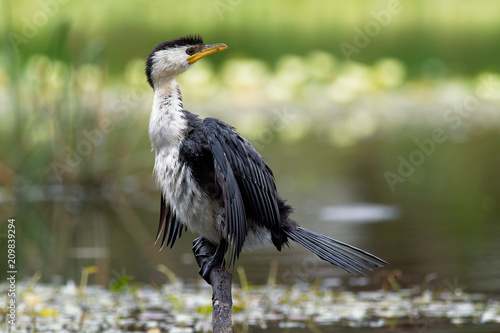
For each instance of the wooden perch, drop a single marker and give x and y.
(222, 302)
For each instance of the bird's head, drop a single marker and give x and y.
(171, 58)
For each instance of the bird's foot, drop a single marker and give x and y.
(208, 256)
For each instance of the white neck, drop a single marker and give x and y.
(166, 123)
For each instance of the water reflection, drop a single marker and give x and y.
(359, 212)
(443, 219)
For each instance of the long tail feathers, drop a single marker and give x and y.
(346, 256)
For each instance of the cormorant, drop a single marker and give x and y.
(214, 182)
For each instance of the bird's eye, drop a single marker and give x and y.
(191, 51)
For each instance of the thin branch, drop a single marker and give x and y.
(221, 300)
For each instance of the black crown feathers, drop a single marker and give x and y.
(181, 41)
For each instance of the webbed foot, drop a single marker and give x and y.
(208, 255)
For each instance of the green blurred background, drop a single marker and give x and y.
(344, 135)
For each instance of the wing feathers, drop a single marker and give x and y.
(164, 211)
(247, 184)
(172, 228)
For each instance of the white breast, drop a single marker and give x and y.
(192, 207)
(167, 126)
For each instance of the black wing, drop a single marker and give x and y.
(247, 184)
(168, 221)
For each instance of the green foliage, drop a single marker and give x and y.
(121, 283)
(421, 30)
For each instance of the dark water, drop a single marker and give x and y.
(438, 224)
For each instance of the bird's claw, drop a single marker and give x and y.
(207, 256)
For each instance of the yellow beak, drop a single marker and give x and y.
(208, 49)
